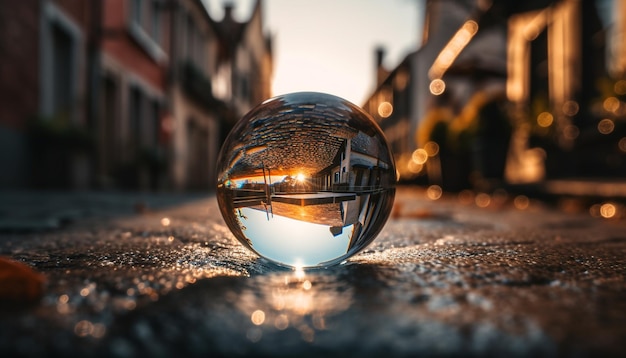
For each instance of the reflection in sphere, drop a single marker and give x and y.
(305, 179)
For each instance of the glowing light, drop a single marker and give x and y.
(521, 202)
(414, 167)
(606, 126)
(420, 156)
(620, 87)
(437, 86)
(622, 144)
(307, 285)
(611, 104)
(385, 109)
(594, 210)
(571, 132)
(257, 317)
(545, 119)
(434, 192)
(431, 148)
(482, 200)
(608, 210)
(165, 222)
(83, 328)
(300, 177)
(299, 272)
(570, 108)
(281, 322)
(452, 49)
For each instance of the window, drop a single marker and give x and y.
(63, 76)
(136, 11)
(156, 21)
(145, 26)
(190, 40)
(156, 122)
(136, 116)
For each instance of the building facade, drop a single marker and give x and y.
(46, 50)
(507, 93)
(122, 94)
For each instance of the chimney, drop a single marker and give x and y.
(381, 72)
(228, 11)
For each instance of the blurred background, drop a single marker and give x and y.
(479, 95)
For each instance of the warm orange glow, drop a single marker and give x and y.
(300, 177)
(431, 148)
(419, 156)
(258, 317)
(414, 167)
(521, 202)
(165, 222)
(622, 144)
(482, 200)
(385, 109)
(606, 126)
(437, 86)
(620, 87)
(608, 210)
(571, 108)
(454, 47)
(611, 104)
(434, 192)
(535, 26)
(545, 119)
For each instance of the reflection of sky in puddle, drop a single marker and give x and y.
(293, 242)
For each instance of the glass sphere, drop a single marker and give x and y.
(306, 180)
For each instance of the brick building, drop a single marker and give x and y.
(46, 58)
(122, 93)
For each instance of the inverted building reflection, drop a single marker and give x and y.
(342, 197)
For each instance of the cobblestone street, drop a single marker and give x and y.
(163, 276)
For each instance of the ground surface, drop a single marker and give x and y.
(142, 278)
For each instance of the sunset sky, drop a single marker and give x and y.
(328, 45)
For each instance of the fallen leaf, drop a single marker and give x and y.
(19, 284)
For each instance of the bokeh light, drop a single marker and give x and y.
(431, 148)
(420, 156)
(545, 119)
(606, 126)
(437, 86)
(622, 144)
(611, 104)
(521, 202)
(385, 109)
(434, 192)
(482, 200)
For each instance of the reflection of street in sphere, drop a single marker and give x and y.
(312, 175)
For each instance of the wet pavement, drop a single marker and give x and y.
(164, 277)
